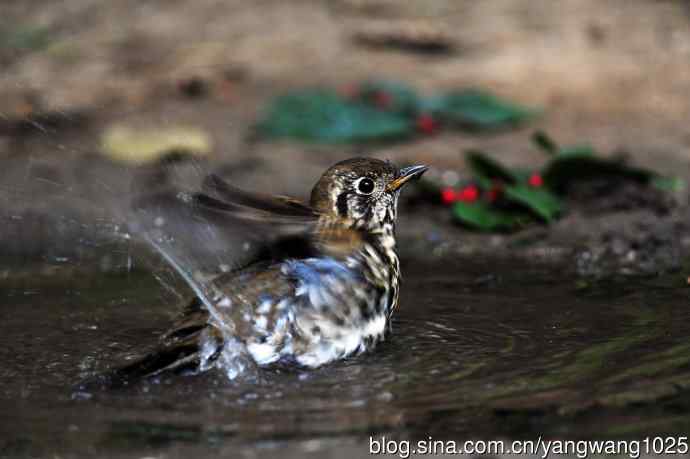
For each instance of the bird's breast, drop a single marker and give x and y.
(335, 308)
(340, 306)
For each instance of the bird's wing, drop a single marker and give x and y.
(216, 187)
(220, 228)
(223, 229)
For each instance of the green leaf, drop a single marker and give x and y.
(565, 169)
(25, 38)
(577, 150)
(579, 162)
(672, 184)
(540, 201)
(483, 217)
(546, 143)
(478, 109)
(319, 115)
(487, 169)
(402, 98)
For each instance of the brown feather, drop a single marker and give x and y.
(280, 205)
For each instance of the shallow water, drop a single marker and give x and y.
(481, 349)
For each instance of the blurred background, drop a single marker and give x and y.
(613, 74)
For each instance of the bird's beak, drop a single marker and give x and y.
(406, 174)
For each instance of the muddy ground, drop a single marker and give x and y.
(613, 74)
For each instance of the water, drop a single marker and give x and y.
(492, 349)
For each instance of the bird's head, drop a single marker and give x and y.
(363, 192)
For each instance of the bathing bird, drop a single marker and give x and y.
(323, 286)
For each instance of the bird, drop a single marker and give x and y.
(322, 287)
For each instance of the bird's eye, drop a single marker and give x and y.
(365, 185)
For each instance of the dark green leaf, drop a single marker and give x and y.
(25, 38)
(673, 184)
(540, 201)
(487, 169)
(521, 174)
(546, 143)
(561, 171)
(577, 150)
(482, 216)
(478, 110)
(323, 116)
(434, 105)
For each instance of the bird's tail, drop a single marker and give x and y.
(190, 346)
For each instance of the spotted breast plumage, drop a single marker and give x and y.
(323, 286)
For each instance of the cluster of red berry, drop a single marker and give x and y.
(469, 193)
(426, 124)
(472, 193)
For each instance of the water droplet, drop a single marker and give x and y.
(385, 397)
(82, 395)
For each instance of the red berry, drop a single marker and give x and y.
(468, 194)
(382, 99)
(426, 123)
(349, 91)
(495, 191)
(535, 180)
(448, 195)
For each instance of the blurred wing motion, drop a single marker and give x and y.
(210, 238)
(222, 229)
(276, 205)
